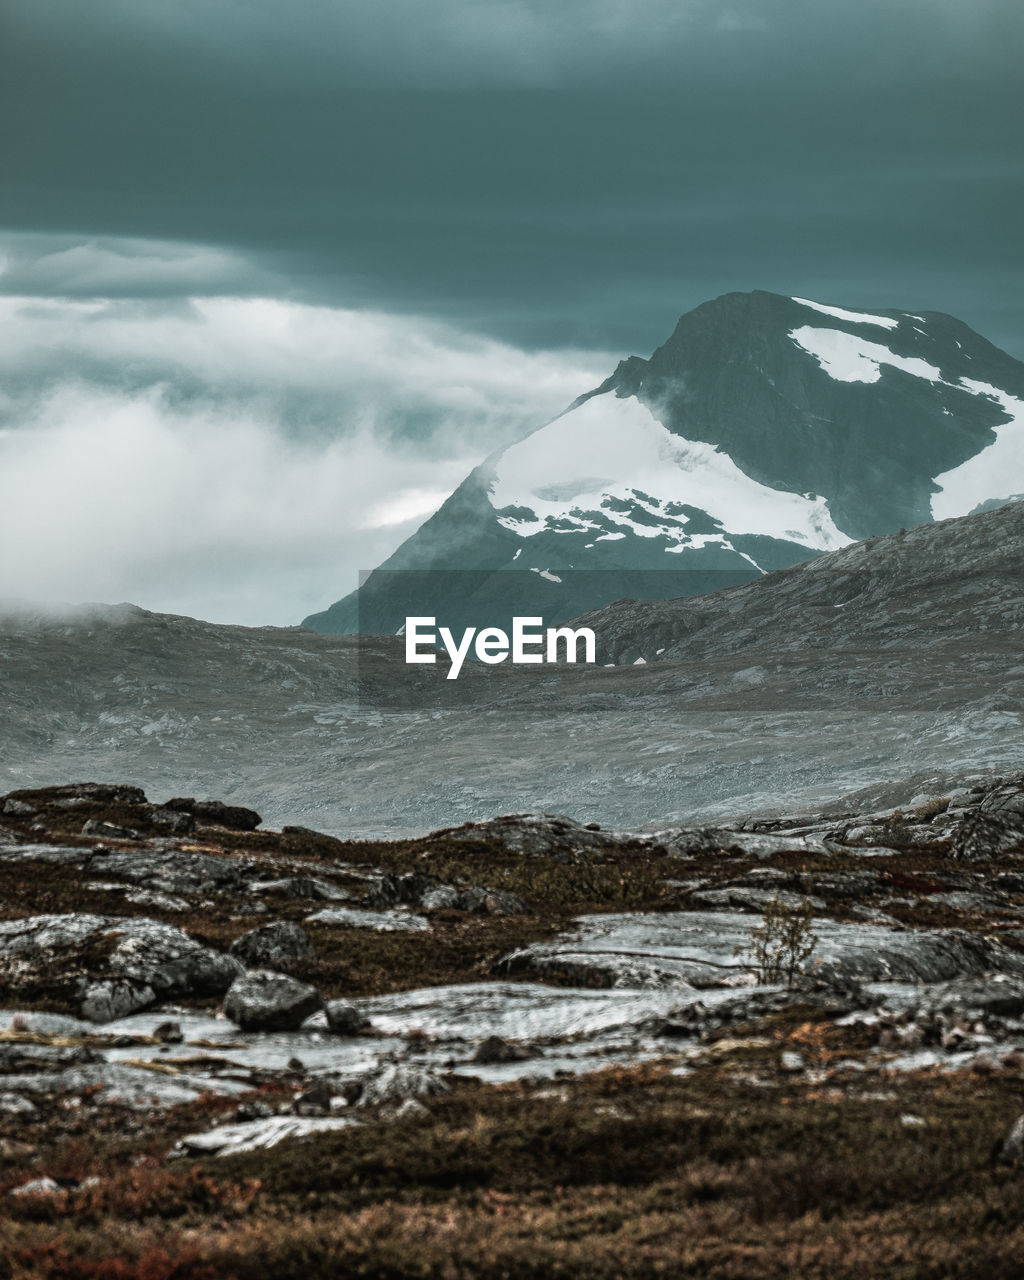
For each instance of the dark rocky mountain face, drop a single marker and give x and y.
(925, 586)
(894, 658)
(766, 431)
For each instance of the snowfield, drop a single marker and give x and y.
(609, 436)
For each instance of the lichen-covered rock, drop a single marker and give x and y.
(394, 890)
(105, 967)
(982, 834)
(551, 835)
(177, 821)
(398, 1081)
(273, 945)
(265, 1001)
(170, 870)
(13, 808)
(310, 887)
(382, 921)
(415, 889)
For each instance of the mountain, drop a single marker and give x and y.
(765, 431)
(762, 696)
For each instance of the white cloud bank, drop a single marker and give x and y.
(241, 460)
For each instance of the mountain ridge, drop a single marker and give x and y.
(765, 430)
(777, 698)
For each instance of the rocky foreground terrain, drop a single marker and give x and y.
(522, 1047)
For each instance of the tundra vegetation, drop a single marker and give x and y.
(778, 1140)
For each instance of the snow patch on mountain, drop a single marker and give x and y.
(657, 473)
(857, 317)
(847, 357)
(995, 472)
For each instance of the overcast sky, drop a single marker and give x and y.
(277, 274)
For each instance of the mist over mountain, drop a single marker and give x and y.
(766, 431)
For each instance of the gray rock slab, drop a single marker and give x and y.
(382, 921)
(310, 887)
(257, 1135)
(739, 898)
(513, 1010)
(697, 949)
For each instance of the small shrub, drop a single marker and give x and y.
(930, 809)
(783, 942)
(895, 830)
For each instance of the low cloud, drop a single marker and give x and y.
(241, 459)
(111, 267)
(312, 368)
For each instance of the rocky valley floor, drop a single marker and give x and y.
(896, 659)
(520, 1047)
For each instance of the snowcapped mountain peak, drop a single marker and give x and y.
(767, 429)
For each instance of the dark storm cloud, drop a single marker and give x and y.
(570, 173)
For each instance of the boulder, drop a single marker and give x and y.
(739, 898)
(106, 967)
(343, 1018)
(215, 812)
(93, 792)
(255, 1135)
(696, 949)
(13, 1104)
(398, 1081)
(1005, 799)
(177, 821)
(550, 835)
(493, 902)
(315, 1100)
(1011, 1151)
(273, 945)
(395, 890)
(497, 1049)
(18, 809)
(442, 898)
(266, 1001)
(419, 890)
(983, 834)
